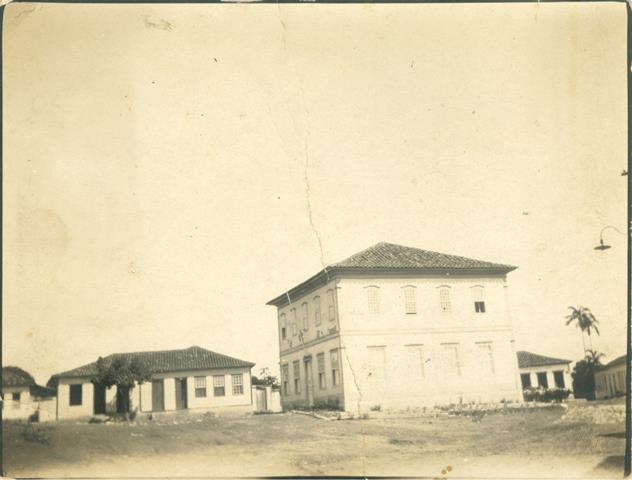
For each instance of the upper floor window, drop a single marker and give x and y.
(317, 310)
(331, 305)
(410, 300)
(478, 292)
(373, 299)
(294, 321)
(305, 312)
(283, 322)
(444, 299)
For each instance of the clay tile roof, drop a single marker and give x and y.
(389, 255)
(16, 377)
(529, 360)
(192, 358)
(617, 361)
(390, 258)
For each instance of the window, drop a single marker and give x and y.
(410, 302)
(373, 299)
(331, 305)
(76, 394)
(296, 367)
(285, 378)
(542, 380)
(451, 366)
(317, 310)
(479, 301)
(200, 387)
(415, 361)
(444, 299)
(305, 312)
(322, 381)
(558, 377)
(283, 327)
(238, 383)
(218, 386)
(525, 378)
(294, 321)
(377, 363)
(486, 355)
(333, 357)
(15, 396)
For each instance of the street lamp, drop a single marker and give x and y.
(605, 246)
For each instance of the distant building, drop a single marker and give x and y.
(22, 397)
(610, 379)
(192, 378)
(393, 327)
(545, 372)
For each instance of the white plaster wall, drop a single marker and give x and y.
(17, 409)
(549, 369)
(609, 382)
(393, 329)
(64, 409)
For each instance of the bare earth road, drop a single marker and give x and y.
(535, 443)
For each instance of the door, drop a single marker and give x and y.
(99, 399)
(122, 399)
(181, 393)
(158, 395)
(309, 383)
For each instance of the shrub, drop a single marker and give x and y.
(533, 394)
(376, 408)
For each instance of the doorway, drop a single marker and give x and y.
(99, 399)
(181, 393)
(157, 395)
(309, 383)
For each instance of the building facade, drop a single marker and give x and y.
(610, 380)
(397, 327)
(188, 379)
(539, 371)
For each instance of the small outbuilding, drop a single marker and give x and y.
(23, 399)
(610, 379)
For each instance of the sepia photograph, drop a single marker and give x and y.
(315, 239)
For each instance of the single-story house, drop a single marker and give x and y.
(545, 372)
(610, 378)
(22, 397)
(191, 378)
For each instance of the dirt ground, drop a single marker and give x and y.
(551, 442)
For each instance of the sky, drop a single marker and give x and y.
(169, 169)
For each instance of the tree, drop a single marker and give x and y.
(122, 372)
(584, 375)
(265, 378)
(585, 321)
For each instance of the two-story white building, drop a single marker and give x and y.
(397, 327)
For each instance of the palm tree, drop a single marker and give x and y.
(593, 357)
(585, 321)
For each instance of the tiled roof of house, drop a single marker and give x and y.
(617, 361)
(528, 360)
(389, 258)
(192, 358)
(389, 255)
(16, 377)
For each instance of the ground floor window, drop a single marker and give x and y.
(296, 367)
(219, 389)
(558, 376)
(285, 378)
(238, 384)
(542, 380)
(322, 381)
(334, 367)
(15, 396)
(525, 378)
(200, 387)
(76, 392)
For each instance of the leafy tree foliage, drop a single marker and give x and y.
(122, 373)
